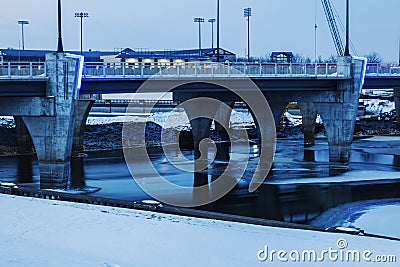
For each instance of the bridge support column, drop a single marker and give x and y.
(277, 106)
(24, 140)
(309, 115)
(52, 136)
(82, 112)
(201, 118)
(223, 115)
(340, 118)
(201, 131)
(84, 105)
(397, 104)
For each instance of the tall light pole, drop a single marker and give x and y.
(212, 32)
(247, 14)
(347, 50)
(199, 21)
(60, 45)
(315, 32)
(81, 15)
(218, 56)
(22, 23)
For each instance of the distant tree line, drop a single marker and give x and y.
(372, 57)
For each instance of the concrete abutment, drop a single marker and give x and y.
(52, 136)
(340, 118)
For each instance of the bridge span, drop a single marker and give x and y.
(51, 100)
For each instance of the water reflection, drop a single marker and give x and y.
(24, 169)
(396, 160)
(77, 172)
(309, 155)
(292, 202)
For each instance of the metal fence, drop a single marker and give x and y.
(382, 70)
(189, 69)
(25, 69)
(207, 69)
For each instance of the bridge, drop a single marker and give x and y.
(30, 79)
(52, 100)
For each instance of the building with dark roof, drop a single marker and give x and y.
(126, 55)
(174, 56)
(282, 57)
(17, 55)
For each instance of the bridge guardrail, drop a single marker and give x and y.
(374, 69)
(212, 69)
(208, 69)
(22, 69)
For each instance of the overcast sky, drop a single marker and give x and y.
(277, 25)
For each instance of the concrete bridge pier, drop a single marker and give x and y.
(223, 115)
(201, 131)
(201, 114)
(309, 115)
(277, 106)
(397, 104)
(339, 118)
(52, 136)
(24, 140)
(84, 106)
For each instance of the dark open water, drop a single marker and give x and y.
(301, 185)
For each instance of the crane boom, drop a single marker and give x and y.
(330, 16)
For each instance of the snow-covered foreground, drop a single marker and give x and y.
(36, 232)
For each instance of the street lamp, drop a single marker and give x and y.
(199, 21)
(212, 32)
(218, 56)
(347, 49)
(247, 14)
(60, 45)
(22, 23)
(81, 15)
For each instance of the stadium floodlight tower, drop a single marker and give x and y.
(212, 21)
(247, 14)
(81, 15)
(199, 21)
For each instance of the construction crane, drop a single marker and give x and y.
(330, 16)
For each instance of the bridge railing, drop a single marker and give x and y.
(140, 69)
(22, 69)
(207, 69)
(382, 69)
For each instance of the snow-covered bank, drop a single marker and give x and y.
(36, 232)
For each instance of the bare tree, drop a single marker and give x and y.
(331, 59)
(374, 57)
(299, 58)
